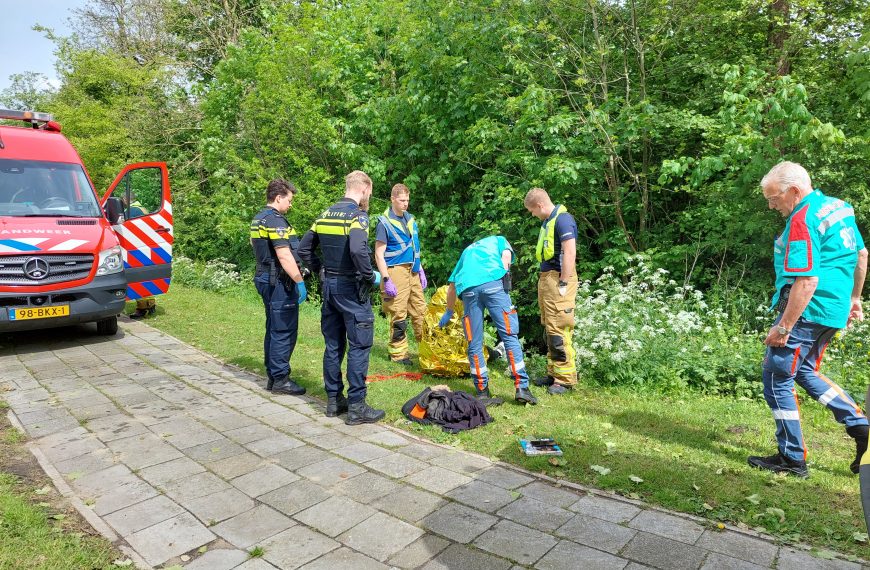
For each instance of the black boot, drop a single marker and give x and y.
(362, 413)
(548, 381)
(287, 386)
(859, 434)
(336, 405)
(486, 398)
(270, 382)
(780, 464)
(524, 396)
(556, 389)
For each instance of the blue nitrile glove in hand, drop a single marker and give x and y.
(377, 278)
(423, 282)
(390, 288)
(445, 318)
(303, 292)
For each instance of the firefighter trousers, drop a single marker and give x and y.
(408, 302)
(557, 316)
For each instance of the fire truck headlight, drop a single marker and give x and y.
(110, 261)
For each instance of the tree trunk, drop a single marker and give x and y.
(778, 34)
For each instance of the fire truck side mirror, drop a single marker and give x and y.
(113, 209)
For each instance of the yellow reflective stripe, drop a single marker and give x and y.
(569, 352)
(330, 230)
(355, 225)
(263, 232)
(331, 227)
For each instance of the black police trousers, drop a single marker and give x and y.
(282, 325)
(347, 323)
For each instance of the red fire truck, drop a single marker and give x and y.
(68, 256)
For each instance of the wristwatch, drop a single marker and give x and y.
(782, 330)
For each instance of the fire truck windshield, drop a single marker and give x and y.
(50, 189)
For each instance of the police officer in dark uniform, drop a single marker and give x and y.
(280, 283)
(347, 319)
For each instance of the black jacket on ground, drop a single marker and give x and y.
(453, 411)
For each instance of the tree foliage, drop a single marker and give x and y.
(651, 120)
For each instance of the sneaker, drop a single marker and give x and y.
(336, 405)
(780, 464)
(496, 353)
(548, 381)
(362, 413)
(486, 398)
(557, 389)
(287, 387)
(524, 396)
(405, 361)
(860, 435)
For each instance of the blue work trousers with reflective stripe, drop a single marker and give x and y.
(492, 296)
(282, 325)
(799, 360)
(347, 323)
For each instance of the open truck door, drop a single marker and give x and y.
(144, 228)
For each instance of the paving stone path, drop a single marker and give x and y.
(167, 451)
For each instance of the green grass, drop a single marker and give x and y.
(12, 436)
(690, 450)
(38, 535)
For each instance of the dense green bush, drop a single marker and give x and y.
(643, 328)
(651, 120)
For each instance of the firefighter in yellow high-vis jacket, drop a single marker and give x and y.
(556, 252)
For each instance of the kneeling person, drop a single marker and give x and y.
(481, 279)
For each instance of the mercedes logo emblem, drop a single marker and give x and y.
(36, 268)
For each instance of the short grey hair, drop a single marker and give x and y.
(787, 174)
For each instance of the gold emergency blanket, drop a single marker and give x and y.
(443, 352)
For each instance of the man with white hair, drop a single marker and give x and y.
(820, 262)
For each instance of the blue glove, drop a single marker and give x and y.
(445, 318)
(303, 292)
(377, 278)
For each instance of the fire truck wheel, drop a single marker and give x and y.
(107, 326)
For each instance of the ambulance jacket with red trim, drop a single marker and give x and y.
(821, 240)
